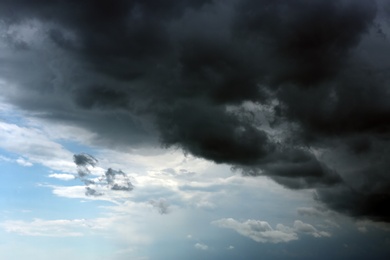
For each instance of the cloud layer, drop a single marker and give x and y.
(294, 90)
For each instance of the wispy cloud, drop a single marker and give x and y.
(24, 162)
(35, 147)
(48, 228)
(62, 176)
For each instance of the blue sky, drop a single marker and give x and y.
(211, 212)
(207, 129)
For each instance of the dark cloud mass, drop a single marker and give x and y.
(294, 90)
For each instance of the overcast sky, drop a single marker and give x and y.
(195, 129)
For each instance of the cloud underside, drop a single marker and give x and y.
(294, 90)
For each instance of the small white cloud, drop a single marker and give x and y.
(24, 162)
(201, 246)
(62, 176)
(230, 247)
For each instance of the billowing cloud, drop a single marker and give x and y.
(277, 88)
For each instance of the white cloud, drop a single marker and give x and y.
(308, 229)
(34, 145)
(48, 228)
(261, 231)
(24, 162)
(201, 246)
(114, 226)
(62, 176)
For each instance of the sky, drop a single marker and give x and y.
(195, 129)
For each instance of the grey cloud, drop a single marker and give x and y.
(109, 180)
(92, 192)
(314, 212)
(141, 72)
(308, 41)
(114, 183)
(162, 206)
(84, 160)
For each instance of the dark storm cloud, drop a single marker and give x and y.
(308, 40)
(182, 71)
